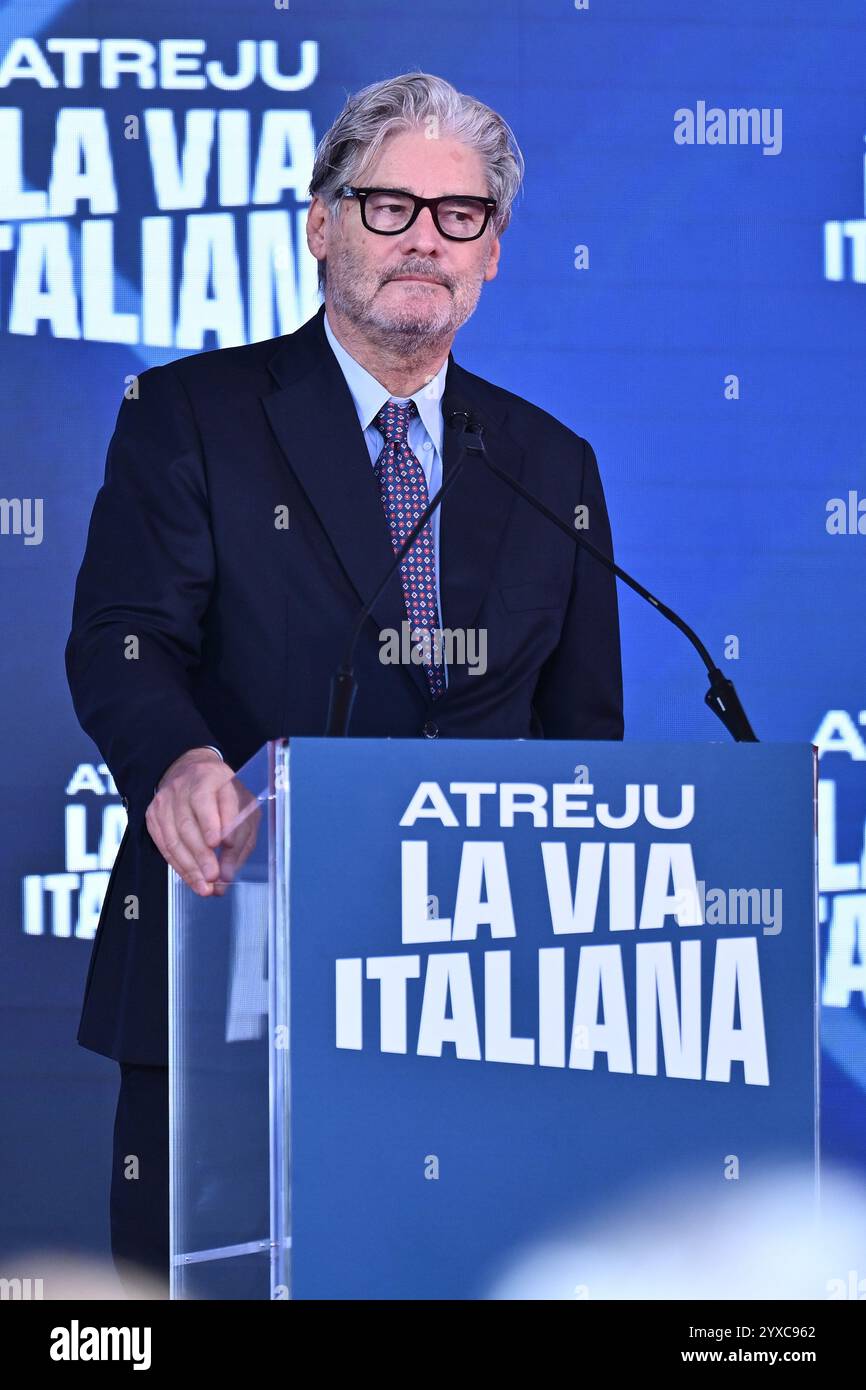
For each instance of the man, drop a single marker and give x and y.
(253, 500)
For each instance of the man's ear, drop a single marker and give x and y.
(317, 218)
(493, 262)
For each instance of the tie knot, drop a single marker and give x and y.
(392, 421)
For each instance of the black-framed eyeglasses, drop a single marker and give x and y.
(389, 211)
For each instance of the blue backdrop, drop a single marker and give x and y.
(692, 305)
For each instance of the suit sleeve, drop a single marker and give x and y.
(579, 691)
(142, 592)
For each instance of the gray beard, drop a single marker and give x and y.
(412, 334)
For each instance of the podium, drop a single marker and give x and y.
(461, 995)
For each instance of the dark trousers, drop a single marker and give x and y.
(139, 1174)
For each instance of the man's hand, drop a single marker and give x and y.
(196, 800)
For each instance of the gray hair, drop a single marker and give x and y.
(415, 100)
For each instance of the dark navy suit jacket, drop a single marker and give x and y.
(241, 623)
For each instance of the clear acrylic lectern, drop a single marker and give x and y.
(228, 1060)
(517, 1011)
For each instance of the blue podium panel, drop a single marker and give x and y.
(530, 981)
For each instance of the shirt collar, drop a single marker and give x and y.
(370, 395)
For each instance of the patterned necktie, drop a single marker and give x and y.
(403, 490)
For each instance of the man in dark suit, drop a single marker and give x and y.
(253, 500)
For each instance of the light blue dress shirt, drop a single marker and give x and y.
(425, 430)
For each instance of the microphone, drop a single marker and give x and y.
(344, 686)
(721, 697)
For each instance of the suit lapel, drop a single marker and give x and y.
(313, 417)
(314, 420)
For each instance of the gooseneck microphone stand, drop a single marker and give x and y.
(721, 697)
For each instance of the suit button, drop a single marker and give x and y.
(125, 802)
(430, 730)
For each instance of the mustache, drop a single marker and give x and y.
(419, 270)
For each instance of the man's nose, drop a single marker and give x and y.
(423, 236)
